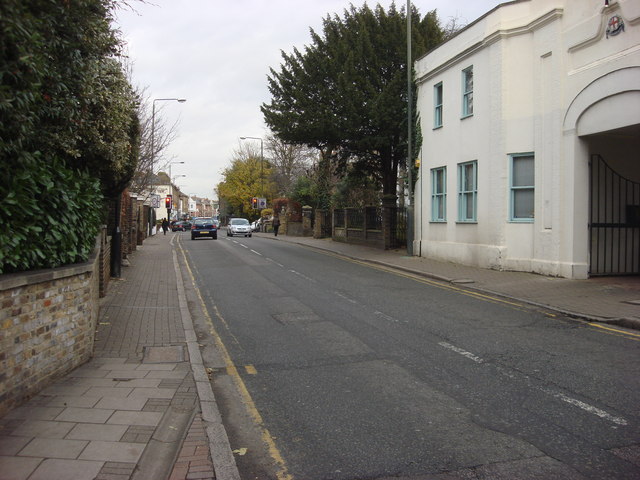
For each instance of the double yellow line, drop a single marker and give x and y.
(282, 471)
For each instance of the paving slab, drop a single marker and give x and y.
(135, 418)
(84, 415)
(96, 431)
(58, 469)
(43, 429)
(60, 448)
(135, 403)
(70, 401)
(153, 392)
(120, 392)
(18, 468)
(34, 413)
(11, 445)
(113, 451)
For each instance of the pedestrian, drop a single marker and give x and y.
(276, 225)
(165, 225)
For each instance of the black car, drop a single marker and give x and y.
(180, 226)
(204, 227)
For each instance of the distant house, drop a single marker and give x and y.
(530, 120)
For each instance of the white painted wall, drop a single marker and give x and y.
(545, 75)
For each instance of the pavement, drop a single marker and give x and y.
(143, 407)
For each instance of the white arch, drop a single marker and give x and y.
(623, 81)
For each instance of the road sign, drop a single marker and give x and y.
(155, 201)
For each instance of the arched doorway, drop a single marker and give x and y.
(605, 116)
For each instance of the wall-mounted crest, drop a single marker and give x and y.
(615, 26)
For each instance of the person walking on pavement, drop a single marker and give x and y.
(165, 225)
(276, 225)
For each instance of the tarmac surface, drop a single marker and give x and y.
(143, 407)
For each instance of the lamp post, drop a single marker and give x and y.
(171, 184)
(153, 131)
(261, 162)
(153, 124)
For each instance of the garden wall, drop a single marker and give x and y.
(47, 326)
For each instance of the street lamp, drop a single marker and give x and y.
(261, 162)
(153, 124)
(153, 131)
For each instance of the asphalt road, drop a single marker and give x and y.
(326, 368)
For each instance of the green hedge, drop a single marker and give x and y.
(68, 129)
(55, 216)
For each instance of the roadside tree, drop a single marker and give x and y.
(346, 94)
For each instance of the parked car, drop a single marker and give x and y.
(182, 226)
(255, 226)
(204, 227)
(239, 226)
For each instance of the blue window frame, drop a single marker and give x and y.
(437, 105)
(522, 187)
(467, 92)
(467, 191)
(439, 194)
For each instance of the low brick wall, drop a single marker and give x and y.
(47, 327)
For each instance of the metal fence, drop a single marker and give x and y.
(382, 227)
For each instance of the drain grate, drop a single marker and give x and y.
(171, 354)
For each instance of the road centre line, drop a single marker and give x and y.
(462, 352)
(559, 395)
(257, 253)
(303, 276)
(586, 407)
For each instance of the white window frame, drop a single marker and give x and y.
(438, 198)
(513, 189)
(467, 191)
(467, 93)
(438, 94)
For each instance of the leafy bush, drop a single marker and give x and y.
(68, 129)
(56, 213)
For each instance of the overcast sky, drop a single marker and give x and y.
(217, 55)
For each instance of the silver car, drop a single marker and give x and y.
(239, 226)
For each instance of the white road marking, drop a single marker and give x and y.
(303, 276)
(586, 407)
(385, 316)
(462, 352)
(559, 395)
(350, 300)
(257, 253)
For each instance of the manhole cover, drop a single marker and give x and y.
(172, 354)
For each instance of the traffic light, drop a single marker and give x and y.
(254, 203)
(167, 202)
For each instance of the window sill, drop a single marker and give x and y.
(437, 128)
(467, 222)
(466, 116)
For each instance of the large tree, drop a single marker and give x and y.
(346, 92)
(245, 178)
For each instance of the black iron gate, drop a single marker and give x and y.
(614, 222)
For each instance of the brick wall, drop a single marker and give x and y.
(47, 325)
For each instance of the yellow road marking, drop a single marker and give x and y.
(615, 330)
(470, 293)
(282, 472)
(251, 370)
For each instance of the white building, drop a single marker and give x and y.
(530, 161)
